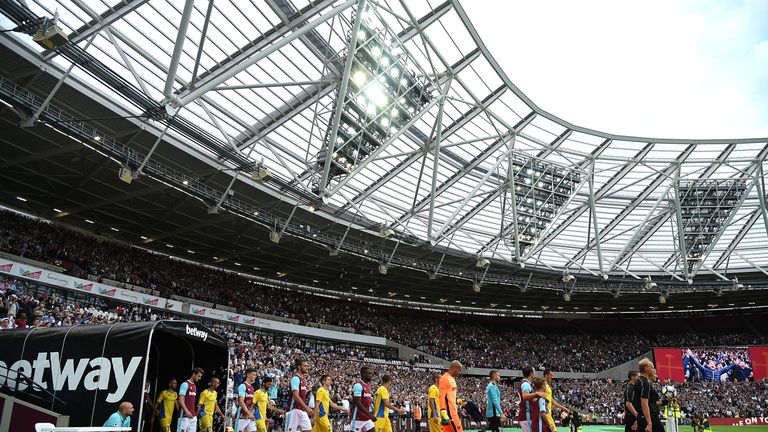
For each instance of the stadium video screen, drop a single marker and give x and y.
(720, 364)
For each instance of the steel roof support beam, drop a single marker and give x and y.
(178, 47)
(591, 181)
(258, 44)
(739, 237)
(471, 165)
(598, 195)
(338, 186)
(750, 262)
(760, 183)
(114, 14)
(636, 201)
(310, 95)
(341, 99)
(471, 194)
(746, 174)
(213, 80)
(447, 131)
(664, 269)
(437, 134)
(680, 229)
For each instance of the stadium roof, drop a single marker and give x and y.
(256, 85)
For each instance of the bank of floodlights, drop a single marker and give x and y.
(540, 190)
(705, 206)
(382, 95)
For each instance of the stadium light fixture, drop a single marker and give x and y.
(381, 95)
(22, 199)
(476, 286)
(483, 262)
(568, 277)
(383, 267)
(737, 285)
(566, 296)
(274, 236)
(535, 194)
(662, 299)
(704, 207)
(649, 284)
(386, 233)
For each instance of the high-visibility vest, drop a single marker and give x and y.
(672, 409)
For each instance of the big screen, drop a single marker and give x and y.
(718, 364)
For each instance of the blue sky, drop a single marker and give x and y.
(686, 69)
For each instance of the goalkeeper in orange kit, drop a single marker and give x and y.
(449, 413)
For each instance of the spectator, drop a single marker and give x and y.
(122, 417)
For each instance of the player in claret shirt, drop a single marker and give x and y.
(187, 402)
(362, 395)
(299, 412)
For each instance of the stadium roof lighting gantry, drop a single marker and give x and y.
(390, 127)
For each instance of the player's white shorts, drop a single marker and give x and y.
(525, 425)
(245, 424)
(297, 420)
(363, 425)
(187, 424)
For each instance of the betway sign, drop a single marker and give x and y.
(49, 371)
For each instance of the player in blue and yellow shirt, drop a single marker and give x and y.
(261, 402)
(323, 405)
(381, 406)
(166, 403)
(207, 404)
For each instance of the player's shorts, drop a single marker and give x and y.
(322, 424)
(363, 425)
(297, 420)
(165, 427)
(206, 423)
(525, 425)
(261, 425)
(434, 425)
(494, 423)
(383, 425)
(187, 424)
(246, 425)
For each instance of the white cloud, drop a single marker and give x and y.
(690, 69)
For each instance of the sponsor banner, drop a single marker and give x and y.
(759, 356)
(669, 363)
(173, 305)
(745, 421)
(64, 281)
(89, 369)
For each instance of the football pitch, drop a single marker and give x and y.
(682, 429)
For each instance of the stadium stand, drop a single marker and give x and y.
(497, 344)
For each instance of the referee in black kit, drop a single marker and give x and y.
(630, 412)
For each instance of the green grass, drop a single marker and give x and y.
(682, 429)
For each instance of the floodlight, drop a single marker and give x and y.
(567, 277)
(274, 236)
(483, 262)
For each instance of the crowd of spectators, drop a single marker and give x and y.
(274, 355)
(730, 399)
(503, 344)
